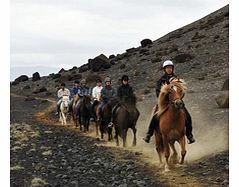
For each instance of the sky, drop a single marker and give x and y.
(47, 35)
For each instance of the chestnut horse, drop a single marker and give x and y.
(172, 121)
(125, 117)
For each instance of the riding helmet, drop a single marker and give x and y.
(107, 79)
(125, 78)
(168, 63)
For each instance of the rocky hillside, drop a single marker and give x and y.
(199, 50)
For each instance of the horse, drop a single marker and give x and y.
(125, 117)
(171, 127)
(105, 123)
(95, 114)
(64, 109)
(85, 112)
(74, 112)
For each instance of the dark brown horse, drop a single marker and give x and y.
(74, 112)
(105, 123)
(125, 117)
(85, 112)
(172, 121)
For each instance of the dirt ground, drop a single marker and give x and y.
(43, 153)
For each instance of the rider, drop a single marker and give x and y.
(168, 68)
(63, 91)
(124, 92)
(96, 94)
(74, 92)
(82, 91)
(107, 93)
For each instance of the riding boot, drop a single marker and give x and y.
(188, 125)
(153, 123)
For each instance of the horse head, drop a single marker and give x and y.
(86, 102)
(65, 101)
(172, 93)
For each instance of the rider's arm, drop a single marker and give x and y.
(158, 87)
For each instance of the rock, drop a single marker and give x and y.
(100, 62)
(223, 100)
(55, 76)
(22, 78)
(84, 68)
(62, 70)
(26, 87)
(131, 50)
(38, 90)
(122, 66)
(36, 76)
(225, 85)
(111, 56)
(183, 57)
(146, 42)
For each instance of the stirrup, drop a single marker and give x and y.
(110, 125)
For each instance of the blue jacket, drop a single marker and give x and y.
(83, 91)
(74, 90)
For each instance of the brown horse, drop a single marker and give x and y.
(172, 121)
(125, 117)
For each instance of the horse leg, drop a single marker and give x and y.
(167, 154)
(124, 134)
(134, 140)
(102, 129)
(174, 157)
(110, 133)
(97, 128)
(159, 148)
(117, 136)
(183, 149)
(64, 118)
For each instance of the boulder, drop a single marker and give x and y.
(111, 56)
(183, 57)
(99, 63)
(36, 76)
(131, 50)
(62, 70)
(22, 78)
(223, 100)
(146, 42)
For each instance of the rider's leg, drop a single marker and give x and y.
(70, 105)
(77, 107)
(188, 125)
(153, 123)
(58, 106)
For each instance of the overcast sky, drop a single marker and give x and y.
(66, 33)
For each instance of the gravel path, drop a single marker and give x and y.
(43, 154)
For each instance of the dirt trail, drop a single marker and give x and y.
(193, 173)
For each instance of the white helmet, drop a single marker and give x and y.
(168, 63)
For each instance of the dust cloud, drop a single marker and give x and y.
(210, 131)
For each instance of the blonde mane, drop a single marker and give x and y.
(163, 101)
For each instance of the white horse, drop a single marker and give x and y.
(64, 109)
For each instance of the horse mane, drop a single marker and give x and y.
(163, 101)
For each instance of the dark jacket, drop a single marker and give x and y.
(124, 91)
(107, 92)
(163, 80)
